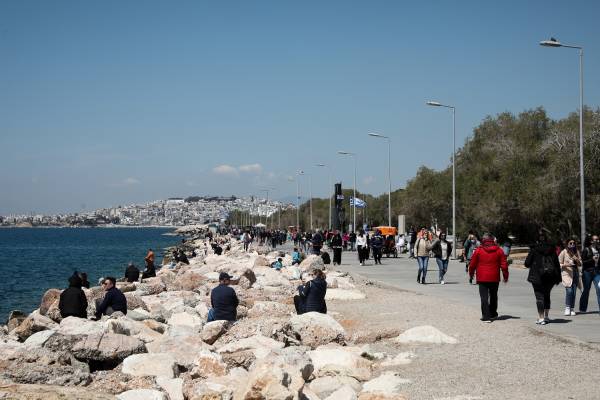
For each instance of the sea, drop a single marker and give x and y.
(33, 260)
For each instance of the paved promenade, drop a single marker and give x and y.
(516, 298)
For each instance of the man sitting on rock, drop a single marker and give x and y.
(132, 273)
(223, 300)
(73, 302)
(114, 300)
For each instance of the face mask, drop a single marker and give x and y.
(572, 247)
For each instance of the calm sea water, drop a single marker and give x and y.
(34, 260)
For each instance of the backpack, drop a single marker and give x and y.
(548, 268)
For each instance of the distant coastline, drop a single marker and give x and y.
(89, 227)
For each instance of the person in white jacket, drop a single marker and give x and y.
(361, 246)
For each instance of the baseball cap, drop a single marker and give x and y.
(224, 275)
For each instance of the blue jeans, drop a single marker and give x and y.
(423, 262)
(211, 315)
(571, 293)
(442, 266)
(587, 278)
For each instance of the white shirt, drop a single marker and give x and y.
(361, 240)
(444, 250)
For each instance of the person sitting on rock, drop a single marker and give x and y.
(114, 300)
(217, 249)
(132, 273)
(84, 280)
(277, 265)
(73, 302)
(311, 295)
(224, 300)
(296, 257)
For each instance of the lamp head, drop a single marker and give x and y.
(321, 165)
(434, 103)
(551, 43)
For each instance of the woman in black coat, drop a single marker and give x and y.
(544, 274)
(312, 294)
(73, 302)
(336, 245)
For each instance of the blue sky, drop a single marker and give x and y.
(107, 103)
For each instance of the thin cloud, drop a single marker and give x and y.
(368, 180)
(126, 182)
(251, 168)
(225, 170)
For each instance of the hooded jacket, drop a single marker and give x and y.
(314, 291)
(73, 302)
(535, 263)
(488, 259)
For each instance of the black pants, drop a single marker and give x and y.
(337, 255)
(542, 295)
(361, 253)
(488, 291)
(299, 303)
(377, 255)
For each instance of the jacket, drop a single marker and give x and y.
(469, 248)
(114, 299)
(487, 261)
(361, 240)
(535, 263)
(568, 265)
(587, 259)
(377, 242)
(317, 240)
(422, 247)
(72, 302)
(224, 301)
(314, 292)
(436, 248)
(132, 273)
(336, 241)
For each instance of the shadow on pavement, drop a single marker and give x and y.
(505, 317)
(560, 321)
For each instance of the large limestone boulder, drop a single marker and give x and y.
(343, 393)
(158, 364)
(80, 326)
(186, 319)
(258, 345)
(261, 261)
(312, 262)
(107, 347)
(213, 330)
(338, 360)
(39, 338)
(266, 381)
(128, 327)
(49, 392)
(35, 322)
(49, 297)
(425, 334)
(314, 329)
(208, 364)
(326, 385)
(173, 387)
(387, 384)
(344, 294)
(142, 394)
(150, 286)
(184, 349)
(270, 308)
(134, 300)
(188, 280)
(15, 318)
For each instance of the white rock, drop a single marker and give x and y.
(80, 326)
(343, 393)
(340, 360)
(39, 338)
(314, 329)
(260, 346)
(142, 394)
(186, 319)
(344, 294)
(173, 387)
(213, 330)
(400, 359)
(158, 364)
(387, 384)
(326, 385)
(425, 334)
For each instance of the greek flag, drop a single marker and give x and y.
(359, 203)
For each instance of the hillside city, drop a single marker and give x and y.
(169, 212)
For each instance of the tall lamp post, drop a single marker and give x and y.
(330, 186)
(437, 104)
(555, 43)
(353, 155)
(310, 196)
(376, 135)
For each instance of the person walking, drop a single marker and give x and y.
(544, 274)
(487, 262)
(589, 267)
(317, 242)
(352, 238)
(421, 250)
(442, 249)
(72, 302)
(377, 243)
(336, 245)
(412, 239)
(471, 243)
(361, 246)
(570, 262)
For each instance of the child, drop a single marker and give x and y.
(296, 257)
(277, 264)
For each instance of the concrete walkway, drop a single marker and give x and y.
(516, 299)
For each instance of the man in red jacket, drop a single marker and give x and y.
(487, 261)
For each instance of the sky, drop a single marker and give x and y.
(109, 103)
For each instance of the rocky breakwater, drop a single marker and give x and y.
(164, 349)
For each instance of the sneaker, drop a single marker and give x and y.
(442, 283)
(567, 311)
(486, 321)
(546, 319)
(423, 281)
(541, 322)
(573, 313)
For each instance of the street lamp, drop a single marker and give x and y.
(353, 155)
(330, 186)
(555, 43)
(267, 205)
(310, 196)
(437, 104)
(376, 135)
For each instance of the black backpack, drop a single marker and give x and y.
(548, 268)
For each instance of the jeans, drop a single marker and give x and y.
(442, 266)
(488, 292)
(588, 278)
(571, 294)
(423, 263)
(211, 315)
(542, 295)
(377, 255)
(412, 250)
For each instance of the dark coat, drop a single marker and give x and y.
(535, 262)
(73, 302)
(224, 302)
(132, 273)
(114, 299)
(587, 259)
(436, 248)
(314, 292)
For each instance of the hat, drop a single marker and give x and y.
(223, 276)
